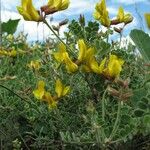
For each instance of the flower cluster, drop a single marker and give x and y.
(11, 53)
(109, 67)
(101, 14)
(43, 95)
(34, 64)
(29, 12)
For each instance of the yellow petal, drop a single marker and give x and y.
(13, 53)
(57, 4)
(96, 15)
(66, 90)
(147, 18)
(94, 65)
(70, 66)
(86, 68)
(120, 15)
(114, 66)
(50, 2)
(52, 105)
(89, 54)
(41, 84)
(25, 15)
(34, 64)
(102, 65)
(59, 55)
(82, 50)
(28, 11)
(65, 4)
(32, 11)
(128, 18)
(24, 4)
(101, 13)
(49, 99)
(39, 92)
(59, 88)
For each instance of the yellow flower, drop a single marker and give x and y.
(122, 17)
(59, 4)
(110, 68)
(60, 89)
(43, 95)
(101, 13)
(95, 67)
(59, 55)
(28, 11)
(63, 57)
(70, 65)
(82, 50)
(10, 37)
(3, 52)
(85, 54)
(40, 91)
(114, 66)
(36, 65)
(55, 6)
(11, 53)
(88, 59)
(147, 18)
(52, 103)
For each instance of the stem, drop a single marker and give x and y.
(98, 137)
(103, 105)
(116, 122)
(11, 91)
(120, 39)
(58, 36)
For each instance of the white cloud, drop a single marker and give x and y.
(34, 31)
(76, 7)
(6, 15)
(129, 2)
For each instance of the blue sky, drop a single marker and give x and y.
(136, 7)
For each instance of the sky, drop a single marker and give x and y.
(40, 32)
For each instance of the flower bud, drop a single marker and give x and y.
(82, 20)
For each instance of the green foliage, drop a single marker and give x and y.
(90, 116)
(141, 40)
(88, 32)
(91, 31)
(76, 29)
(10, 26)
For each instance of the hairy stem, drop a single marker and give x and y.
(58, 37)
(103, 105)
(116, 122)
(11, 91)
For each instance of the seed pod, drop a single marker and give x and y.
(64, 22)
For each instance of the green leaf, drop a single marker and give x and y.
(142, 105)
(102, 47)
(145, 100)
(146, 119)
(138, 113)
(138, 95)
(123, 132)
(125, 119)
(10, 26)
(142, 41)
